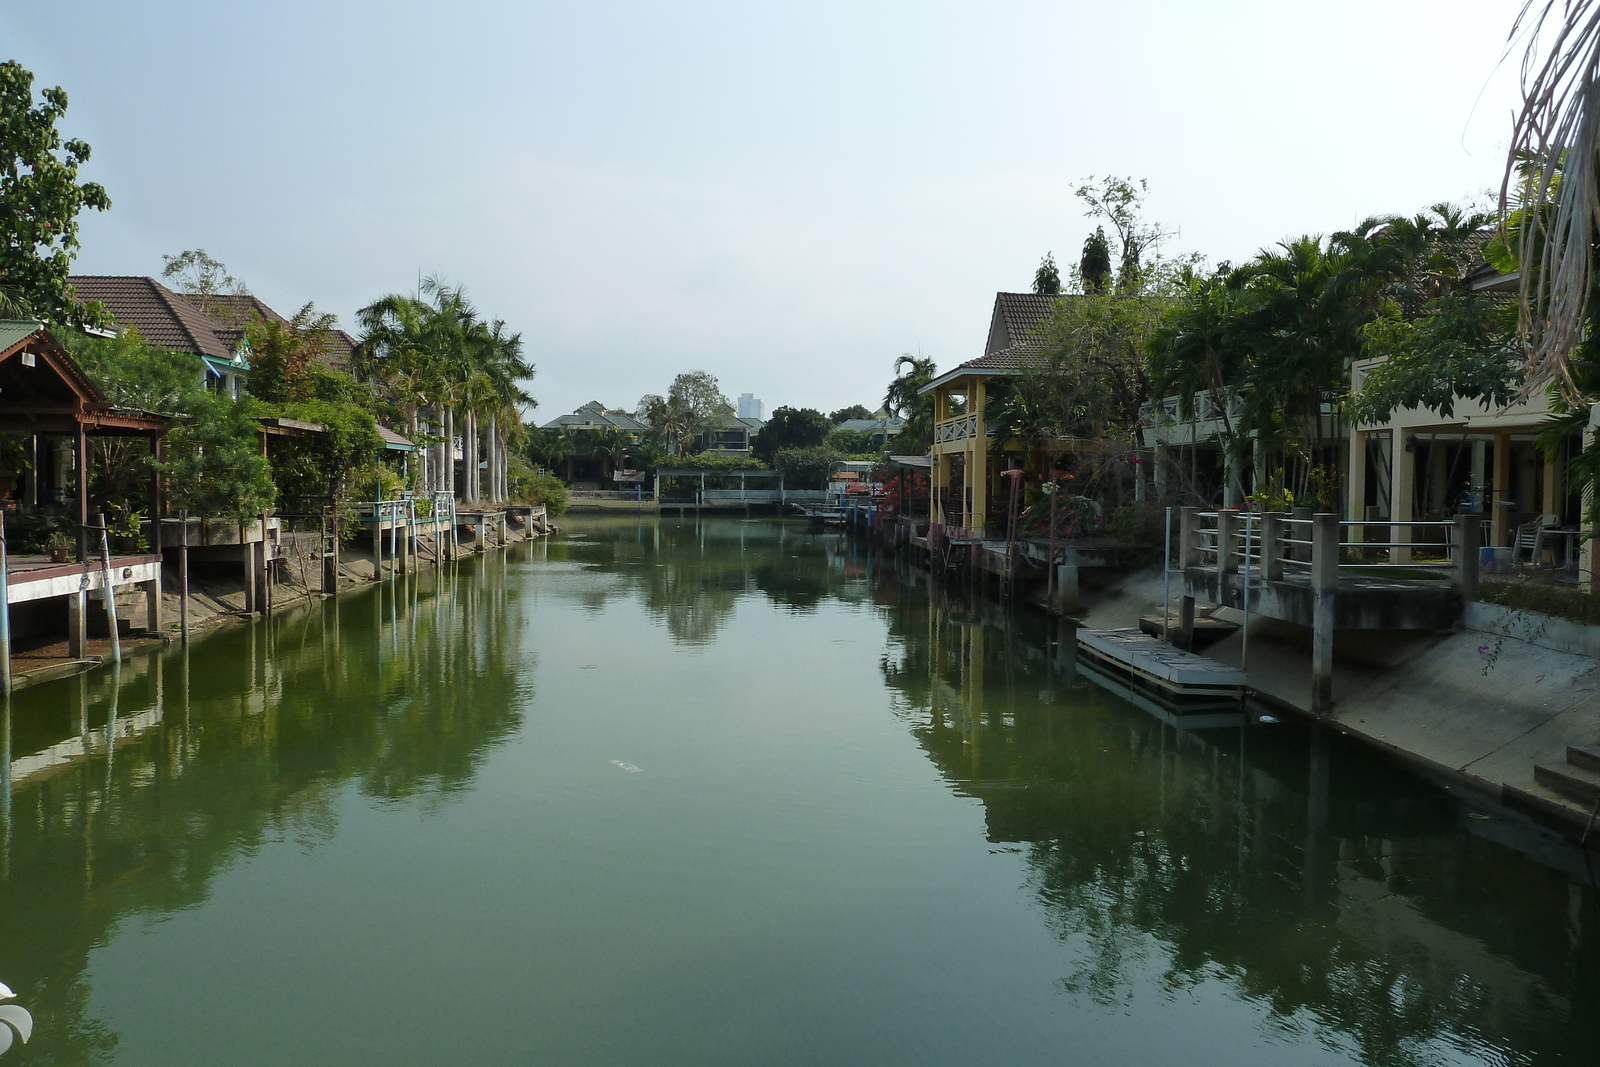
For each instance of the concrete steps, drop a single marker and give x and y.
(1577, 779)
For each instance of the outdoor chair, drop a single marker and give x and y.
(1529, 544)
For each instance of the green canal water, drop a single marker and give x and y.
(735, 792)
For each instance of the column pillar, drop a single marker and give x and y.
(1501, 515)
(979, 474)
(1355, 505)
(1401, 481)
(1324, 592)
(152, 605)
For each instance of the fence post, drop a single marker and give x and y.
(1324, 595)
(1467, 527)
(1301, 552)
(1188, 556)
(1226, 543)
(1272, 527)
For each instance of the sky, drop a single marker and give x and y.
(787, 196)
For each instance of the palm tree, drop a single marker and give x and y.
(904, 400)
(1555, 158)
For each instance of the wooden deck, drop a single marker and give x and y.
(1189, 680)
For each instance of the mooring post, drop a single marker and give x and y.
(1467, 529)
(1324, 594)
(108, 590)
(264, 572)
(183, 575)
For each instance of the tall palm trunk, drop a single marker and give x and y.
(491, 442)
(449, 472)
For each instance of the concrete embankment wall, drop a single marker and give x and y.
(1475, 709)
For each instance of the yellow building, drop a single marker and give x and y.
(966, 456)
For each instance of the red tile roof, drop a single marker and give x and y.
(161, 316)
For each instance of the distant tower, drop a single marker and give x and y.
(749, 406)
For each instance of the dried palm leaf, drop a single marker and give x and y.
(1555, 155)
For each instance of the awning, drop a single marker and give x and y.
(393, 442)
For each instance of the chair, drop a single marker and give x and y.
(1529, 544)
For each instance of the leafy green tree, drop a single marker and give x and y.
(854, 411)
(1047, 279)
(1094, 266)
(692, 402)
(281, 353)
(790, 428)
(212, 454)
(805, 467)
(905, 400)
(40, 199)
(854, 442)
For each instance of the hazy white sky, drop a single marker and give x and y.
(788, 196)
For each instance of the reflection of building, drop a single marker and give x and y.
(1307, 876)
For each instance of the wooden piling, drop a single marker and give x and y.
(108, 590)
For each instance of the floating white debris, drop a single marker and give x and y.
(1267, 720)
(630, 768)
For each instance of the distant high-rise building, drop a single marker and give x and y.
(749, 406)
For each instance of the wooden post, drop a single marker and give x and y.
(247, 554)
(78, 619)
(264, 571)
(152, 604)
(330, 573)
(1324, 592)
(81, 464)
(1467, 528)
(183, 574)
(109, 591)
(1272, 527)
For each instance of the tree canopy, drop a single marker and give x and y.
(40, 200)
(791, 428)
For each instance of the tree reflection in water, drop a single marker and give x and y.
(1366, 909)
(244, 740)
(690, 574)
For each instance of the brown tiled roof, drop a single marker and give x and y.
(1017, 320)
(161, 316)
(1015, 358)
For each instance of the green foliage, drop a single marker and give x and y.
(282, 354)
(905, 400)
(530, 485)
(1047, 279)
(855, 442)
(40, 198)
(1465, 347)
(212, 458)
(342, 461)
(1094, 266)
(693, 401)
(194, 273)
(854, 411)
(805, 468)
(790, 428)
(705, 461)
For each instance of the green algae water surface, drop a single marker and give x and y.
(737, 792)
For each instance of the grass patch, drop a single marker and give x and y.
(1524, 595)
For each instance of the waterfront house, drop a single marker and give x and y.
(967, 457)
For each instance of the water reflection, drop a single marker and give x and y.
(691, 574)
(130, 792)
(1368, 911)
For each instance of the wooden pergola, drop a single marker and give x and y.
(44, 393)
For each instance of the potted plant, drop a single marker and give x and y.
(60, 546)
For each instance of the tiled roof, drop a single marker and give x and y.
(161, 316)
(595, 414)
(1017, 319)
(211, 325)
